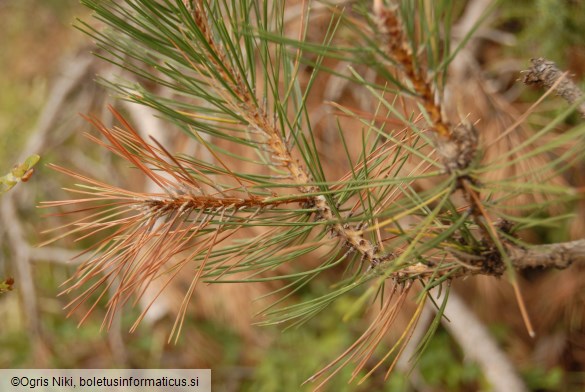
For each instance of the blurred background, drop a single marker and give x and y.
(48, 78)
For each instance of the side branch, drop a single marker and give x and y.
(545, 74)
(197, 202)
(397, 46)
(560, 255)
(260, 119)
(456, 145)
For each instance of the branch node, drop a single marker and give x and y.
(459, 150)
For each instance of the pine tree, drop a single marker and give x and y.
(420, 200)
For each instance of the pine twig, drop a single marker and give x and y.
(392, 33)
(258, 118)
(559, 255)
(456, 145)
(545, 74)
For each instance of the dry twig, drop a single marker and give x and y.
(545, 74)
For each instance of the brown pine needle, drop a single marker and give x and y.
(364, 347)
(523, 310)
(151, 234)
(494, 234)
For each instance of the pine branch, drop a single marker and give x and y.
(256, 116)
(390, 26)
(560, 255)
(232, 82)
(456, 145)
(152, 228)
(545, 74)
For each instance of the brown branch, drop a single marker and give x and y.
(392, 32)
(545, 74)
(456, 145)
(560, 255)
(210, 202)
